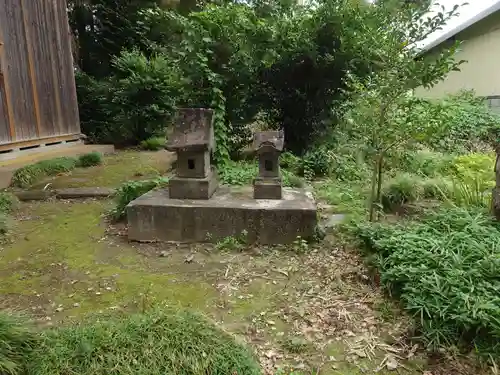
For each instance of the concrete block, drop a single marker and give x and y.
(193, 188)
(84, 192)
(157, 217)
(267, 189)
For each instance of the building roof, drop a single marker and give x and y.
(275, 139)
(193, 130)
(469, 14)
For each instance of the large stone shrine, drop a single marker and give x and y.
(195, 209)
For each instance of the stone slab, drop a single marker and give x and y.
(84, 192)
(230, 211)
(33, 195)
(193, 188)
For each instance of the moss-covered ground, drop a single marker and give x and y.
(117, 168)
(315, 309)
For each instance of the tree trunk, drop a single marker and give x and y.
(373, 190)
(380, 164)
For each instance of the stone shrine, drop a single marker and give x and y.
(268, 146)
(193, 141)
(195, 209)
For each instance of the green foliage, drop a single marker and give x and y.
(467, 120)
(131, 190)
(89, 160)
(153, 144)
(244, 172)
(444, 269)
(425, 162)
(28, 175)
(475, 165)
(135, 104)
(403, 188)
(317, 162)
(16, 341)
(8, 202)
(158, 341)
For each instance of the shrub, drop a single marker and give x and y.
(475, 166)
(153, 144)
(291, 162)
(244, 172)
(317, 162)
(89, 160)
(16, 341)
(426, 163)
(404, 188)
(131, 190)
(28, 175)
(437, 188)
(132, 105)
(445, 270)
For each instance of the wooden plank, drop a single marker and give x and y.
(39, 27)
(6, 96)
(37, 142)
(68, 87)
(29, 50)
(17, 69)
(4, 116)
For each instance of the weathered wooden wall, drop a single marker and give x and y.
(38, 102)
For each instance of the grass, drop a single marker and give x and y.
(116, 169)
(16, 339)
(29, 175)
(131, 190)
(156, 342)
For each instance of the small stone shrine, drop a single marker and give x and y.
(268, 146)
(195, 209)
(193, 141)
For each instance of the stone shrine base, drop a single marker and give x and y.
(230, 211)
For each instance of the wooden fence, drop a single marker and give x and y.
(38, 102)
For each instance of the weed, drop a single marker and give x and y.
(437, 188)
(131, 190)
(300, 245)
(8, 202)
(404, 188)
(28, 175)
(153, 144)
(16, 340)
(89, 160)
(445, 271)
(295, 345)
(157, 342)
(233, 242)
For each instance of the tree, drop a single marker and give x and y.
(382, 107)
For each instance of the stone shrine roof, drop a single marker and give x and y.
(275, 139)
(193, 130)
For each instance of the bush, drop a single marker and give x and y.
(131, 190)
(404, 188)
(134, 104)
(437, 188)
(153, 144)
(89, 160)
(475, 166)
(445, 270)
(317, 162)
(28, 175)
(16, 341)
(426, 163)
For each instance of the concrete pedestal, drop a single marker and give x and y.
(269, 188)
(157, 217)
(193, 188)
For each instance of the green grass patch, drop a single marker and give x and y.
(153, 144)
(29, 175)
(445, 271)
(156, 342)
(131, 190)
(90, 160)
